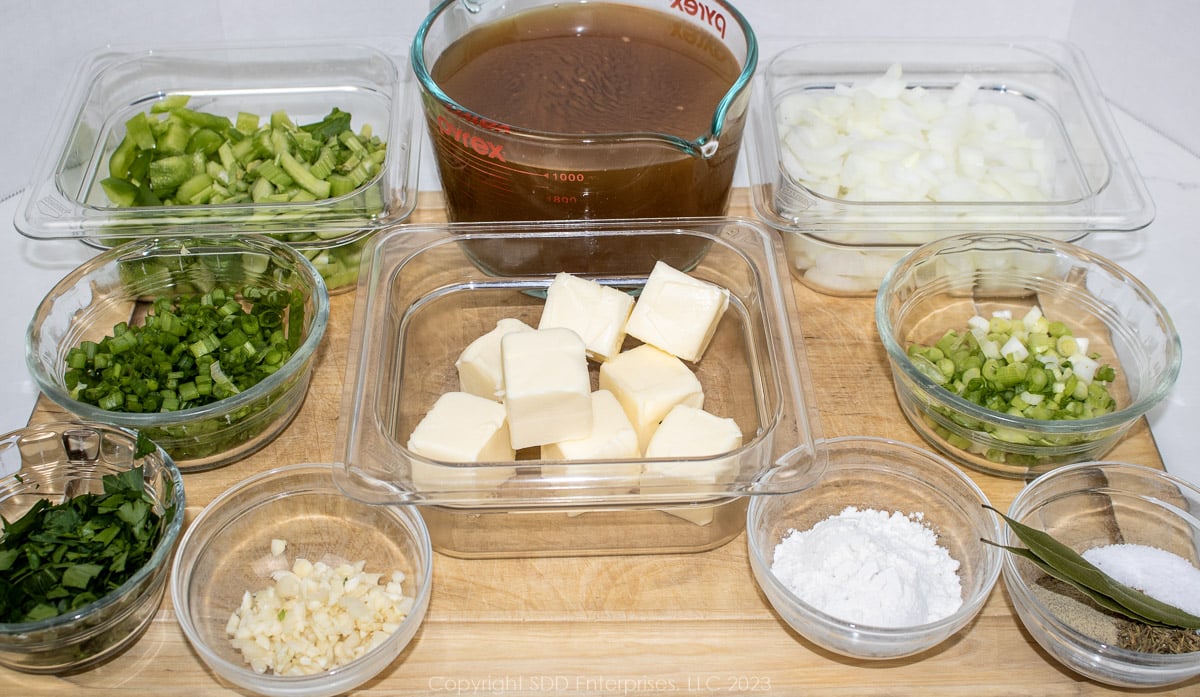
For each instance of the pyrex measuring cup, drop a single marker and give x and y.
(492, 169)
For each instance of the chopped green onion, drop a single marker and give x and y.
(190, 351)
(1038, 371)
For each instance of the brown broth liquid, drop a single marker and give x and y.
(577, 69)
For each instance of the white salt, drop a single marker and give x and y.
(1160, 574)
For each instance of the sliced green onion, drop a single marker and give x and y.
(1023, 367)
(191, 350)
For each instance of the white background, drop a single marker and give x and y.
(1143, 54)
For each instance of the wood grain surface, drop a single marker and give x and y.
(632, 625)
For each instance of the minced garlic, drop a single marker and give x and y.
(316, 617)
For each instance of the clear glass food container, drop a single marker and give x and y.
(427, 296)
(841, 234)
(1095, 504)
(942, 285)
(59, 461)
(306, 81)
(893, 477)
(231, 549)
(121, 284)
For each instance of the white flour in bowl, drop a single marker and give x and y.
(871, 567)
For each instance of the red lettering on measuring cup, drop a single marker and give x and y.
(479, 144)
(714, 18)
(700, 39)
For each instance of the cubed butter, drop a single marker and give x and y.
(479, 370)
(462, 428)
(677, 313)
(547, 389)
(649, 382)
(595, 312)
(612, 438)
(688, 432)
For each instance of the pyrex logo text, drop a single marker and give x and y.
(479, 144)
(715, 19)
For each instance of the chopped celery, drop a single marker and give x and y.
(305, 178)
(322, 159)
(246, 123)
(177, 155)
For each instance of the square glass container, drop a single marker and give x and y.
(431, 290)
(306, 81)
(842, 243)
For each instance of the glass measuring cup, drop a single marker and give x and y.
(493, 169)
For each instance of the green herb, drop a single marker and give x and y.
(143, 446)
(1062, 562)
(191, 350)
(59, 557)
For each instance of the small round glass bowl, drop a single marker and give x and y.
(941, 285)
(120, 284)
(227, 552)
(1089, 505)
(57, 462)
(888, 476)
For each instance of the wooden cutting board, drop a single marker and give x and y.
(634, 625)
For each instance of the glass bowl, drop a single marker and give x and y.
(119, 285)
(943, 284)
(227, 552)
(887, 476)
(849, 206)
(57, 462)
(1094, 504)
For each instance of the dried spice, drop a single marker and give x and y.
(1075, 609)
(1065, 564)
(1137, 636)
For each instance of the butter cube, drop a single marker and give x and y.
(595, 312)
(479, 370)
(677, 313)
(649, 382)
(461, 428)
(612, 438)
(690, 432)
(547, 389)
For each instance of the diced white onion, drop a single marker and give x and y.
(883, 140)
